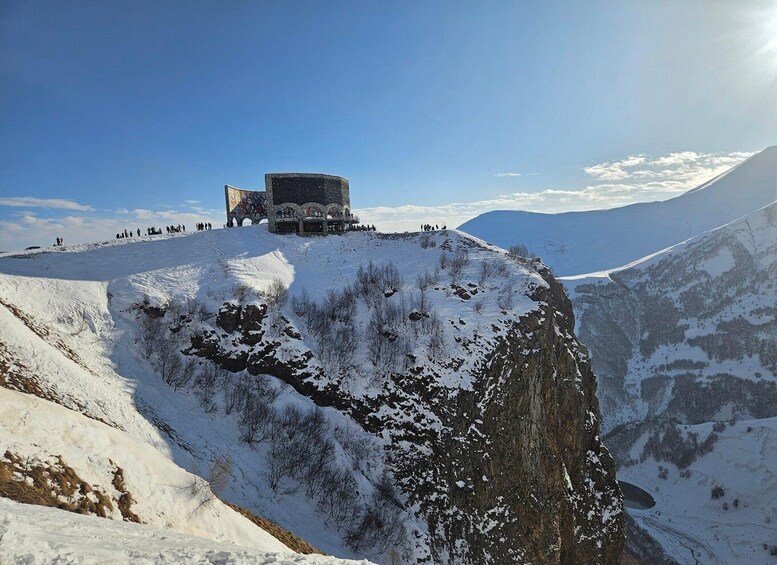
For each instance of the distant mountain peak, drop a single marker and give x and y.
(574, 243)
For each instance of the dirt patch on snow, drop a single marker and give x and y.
(51, 484)
(290, 540)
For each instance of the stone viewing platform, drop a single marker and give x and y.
(294, 203)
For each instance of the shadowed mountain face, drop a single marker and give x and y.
(582, 242)
(692, 333)
(684, 345)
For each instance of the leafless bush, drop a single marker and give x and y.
(169, 363)
(392, 280)
(459, 261)
(151, 335)
(436, 338)
(488, 269)
(427, 241)
(443, 262)
(386, 342)
(301, 304)
(520, 250)
(380, 526)
(277, 293)
(477, 306)
(505, 298)
(257, 411)
(373, 281)
(241, 292)
(424, 280)
(207, 380)
(220, 471)
(339, 498)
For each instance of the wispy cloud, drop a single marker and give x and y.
(635, 178)
(32, 202)
(515, 175)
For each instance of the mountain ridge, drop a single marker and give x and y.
(573, 243)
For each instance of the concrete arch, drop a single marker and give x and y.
(337, 209)
(283, 210)
(318, 210)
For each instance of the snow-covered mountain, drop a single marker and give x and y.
(574, 243)
(405, 398)
(684, 345)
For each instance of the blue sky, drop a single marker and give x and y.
(138, 113)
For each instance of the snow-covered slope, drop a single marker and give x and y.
(574, 243)
(36, 534)
(684, 344)
(349, 414)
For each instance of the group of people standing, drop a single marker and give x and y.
(126, 233)
(203, 226)
(430, 227)
(149, 231)
(59, 242)
(366, 227)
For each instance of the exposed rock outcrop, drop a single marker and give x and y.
(508, 470)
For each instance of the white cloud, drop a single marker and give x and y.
(636, 178)
(516, 175)
(29, 229)
(32, 202)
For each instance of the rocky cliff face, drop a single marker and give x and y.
(692, 334)
(508, 468)
(685, 348)
(417, 398)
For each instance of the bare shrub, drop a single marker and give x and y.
(392, 280)
(151, 334)
(459, 261)
(427, 241)
(478, 306)
(220, 471)
(232, 391)
(385, 336)
(436, 338)
(520, 250)
(443, 262)
(380, 525)
(301, 304)
(169, 363)
(487, 270)
(277, 293)
(241, 292)
(422, 281)
(505, 298)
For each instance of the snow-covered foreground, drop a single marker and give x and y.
(386, 333)
(36, 535)
(165, 495)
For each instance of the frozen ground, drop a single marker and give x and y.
(69, 322)
(33, 535)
